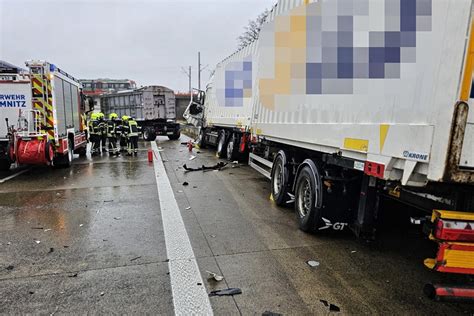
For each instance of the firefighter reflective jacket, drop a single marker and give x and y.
(94, 128)
(112, 128)
(132, 128)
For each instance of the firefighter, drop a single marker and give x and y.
(121, 132)
(94, 134)
(112, 133)
(132, 129)
(103, 131)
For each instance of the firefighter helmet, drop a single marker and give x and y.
(113, 116)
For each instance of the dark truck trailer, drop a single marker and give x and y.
(153, 107)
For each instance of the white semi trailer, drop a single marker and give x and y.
(342, 101)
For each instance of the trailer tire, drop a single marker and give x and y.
(175, 136)
(5, 164)
(200, 140)
(221, 144)
(233, 148)
(308, 198)
(149, 134)
(280, 179)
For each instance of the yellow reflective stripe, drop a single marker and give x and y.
(453, 215)
(356, 144)
(468, 67)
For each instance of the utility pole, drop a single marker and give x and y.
(199, 70)
(188, 73)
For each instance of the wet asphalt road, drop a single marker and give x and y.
(102, 249)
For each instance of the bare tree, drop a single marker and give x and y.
(252, 30)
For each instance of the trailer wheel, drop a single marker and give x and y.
(200, 140)
(280, 180)
(221, 144)
(4, 165)
(175, 136)
(233, 148)
(149, 134)
(308, 198)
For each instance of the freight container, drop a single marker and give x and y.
(153, 107)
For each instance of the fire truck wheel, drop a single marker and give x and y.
(221, 144)
(4, 165)
(82, 152)
(308, 197)
(175, 136)
(65, 161)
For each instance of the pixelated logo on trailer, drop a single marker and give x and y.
(238, 83)
(321, 47)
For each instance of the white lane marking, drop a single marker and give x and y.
(189, 298)
(14, 175)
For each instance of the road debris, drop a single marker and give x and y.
(192, 157)
(226, 292)
(102, 293)
(37, 241)
(51, 250)
(312, 263)
(180, 191)
(353, 251)
(80, 225)
(47, 229)
(31, 292)
(73, 275)
(136, 258)
(188, 208)
(117, 218)
(217, 166)
(185, 183)
(268, 313)
(215, 276)
(10, 268)
(212, 236)
(332, 307)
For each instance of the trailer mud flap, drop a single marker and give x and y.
(454, 232)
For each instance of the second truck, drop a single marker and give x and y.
(340, 103)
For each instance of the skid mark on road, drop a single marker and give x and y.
(189, 293)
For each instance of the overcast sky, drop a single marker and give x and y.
(146, 40)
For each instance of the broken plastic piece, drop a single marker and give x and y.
(217, 166)
(313, 263)
(38, 241)
(226, 292)
(102, 293)
(215, 276)
(188, 208)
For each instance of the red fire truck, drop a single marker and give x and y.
(54, 127)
